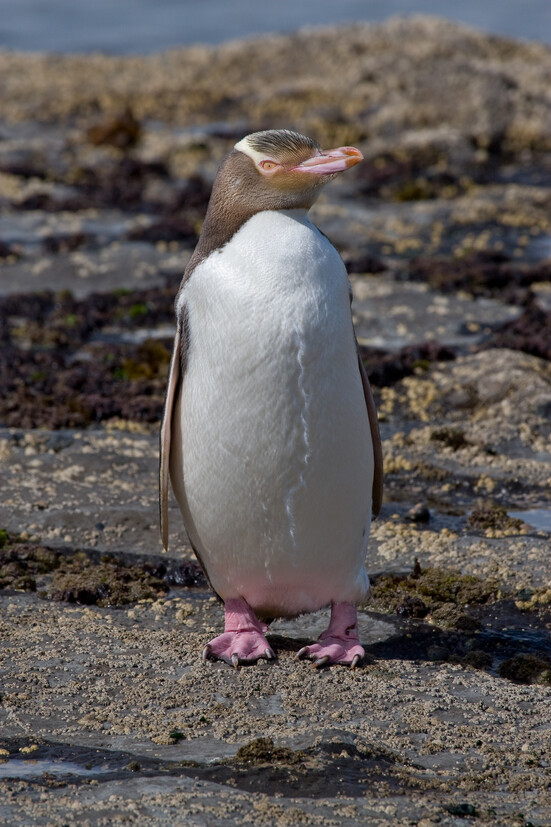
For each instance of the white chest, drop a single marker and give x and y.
(276, 461)
(277, 274)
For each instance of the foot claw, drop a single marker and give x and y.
(339, 643)
(243, 640)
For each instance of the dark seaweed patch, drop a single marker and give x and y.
(52, 372)
(526, 668)
(385, 369)
(170, 228)
(413, 176)
(442, 592)
(530, 332)
(484, 273)
(122, 131)
(20, 563)
(453, 438)
(108, 583)
(263, 751)
(492, 516)
(48, 389)
(88, 579)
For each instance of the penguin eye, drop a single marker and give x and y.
(268, 165)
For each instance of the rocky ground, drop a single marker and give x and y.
(108, 715)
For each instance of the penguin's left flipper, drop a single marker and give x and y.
(166, 434)
(377, 491)
(340, 642)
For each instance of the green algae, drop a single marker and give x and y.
(21, 563)
(439, 591)
(75, 578)
(108, 583)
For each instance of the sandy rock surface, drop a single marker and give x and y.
(108, 715)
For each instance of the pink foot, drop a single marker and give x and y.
(340, 642)
(243, 640)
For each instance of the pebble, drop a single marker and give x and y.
(418, 514)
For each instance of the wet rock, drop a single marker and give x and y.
(491, 396)
(478, 659)
(393, 314)
(411, 607)
(438, 653)
(59, 442)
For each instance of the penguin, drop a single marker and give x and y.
(269, 434)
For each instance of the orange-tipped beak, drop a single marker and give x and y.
(331, 161)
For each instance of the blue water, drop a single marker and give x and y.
(539, 518)
(35, 768)
(144, 26)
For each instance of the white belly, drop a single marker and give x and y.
(272, 461)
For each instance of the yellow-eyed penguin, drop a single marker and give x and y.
(270, 433)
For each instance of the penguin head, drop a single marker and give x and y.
(281, 169)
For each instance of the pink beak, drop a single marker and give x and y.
(331, 161)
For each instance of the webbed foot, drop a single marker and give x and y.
(340, 642)
(243, 640)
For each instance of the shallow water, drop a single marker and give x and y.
(35, 768)
(539, 518)
(138, 26)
